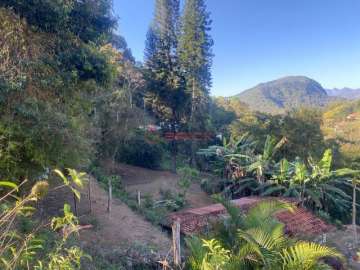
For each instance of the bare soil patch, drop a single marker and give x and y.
(122, 227)
(152, 182)
(119, 230)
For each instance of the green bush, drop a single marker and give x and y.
(139, 151)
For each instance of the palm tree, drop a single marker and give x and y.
(257, 242)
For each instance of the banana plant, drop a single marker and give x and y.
(316, 186)
(262, 163)
(232, 155)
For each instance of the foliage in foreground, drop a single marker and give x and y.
(256, 241)
(25, 250)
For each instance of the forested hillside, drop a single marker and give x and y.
(285, 94)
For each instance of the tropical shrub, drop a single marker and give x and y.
(314, 183)
(319, 187)
(187, 177)
(256, 241)
(23, 249)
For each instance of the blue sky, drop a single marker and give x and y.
(262, 40)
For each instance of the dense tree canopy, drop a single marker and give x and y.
(51, 67)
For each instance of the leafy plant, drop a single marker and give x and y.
(187, 177)
(314, 183)
(256, 240)
(19, 249)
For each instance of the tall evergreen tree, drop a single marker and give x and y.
(165, 95)
(195, 55)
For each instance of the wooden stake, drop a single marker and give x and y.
(110, 196)
(139, 197)
(354, 215)
(75, 206)
(176, 242)
(89, 195)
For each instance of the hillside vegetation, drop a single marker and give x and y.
(341, 122)
(285, 94)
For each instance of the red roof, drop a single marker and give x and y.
(299, 222)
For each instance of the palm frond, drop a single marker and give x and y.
(305, 255)
(262, 215)
(272, 190)
(337, 191)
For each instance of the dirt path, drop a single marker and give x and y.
(122, 227)
(151, 182)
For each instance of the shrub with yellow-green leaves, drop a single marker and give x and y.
(25, 250)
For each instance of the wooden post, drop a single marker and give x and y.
(110, 196)
(75, 205)
(89, 195)
(139, 198)
(176, 242)
(354, 214)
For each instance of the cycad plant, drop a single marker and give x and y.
(256, 240)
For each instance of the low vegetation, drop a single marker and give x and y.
(22, 243)
(256, 240)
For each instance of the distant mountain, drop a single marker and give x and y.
(347, 93)
(285, 94)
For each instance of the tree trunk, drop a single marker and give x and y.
(174, 148)
(174, 156)
(193, 144)
(131, 99)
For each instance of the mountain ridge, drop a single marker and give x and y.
(346, 92)
(284, 94)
